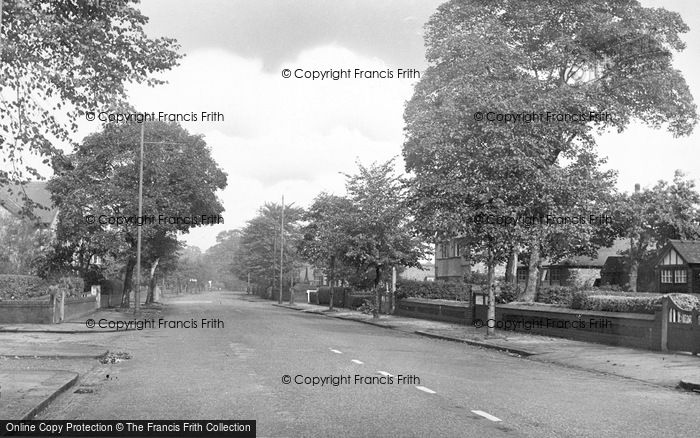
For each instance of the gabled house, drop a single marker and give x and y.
(26, 228)
(12, 201)
(678, 267)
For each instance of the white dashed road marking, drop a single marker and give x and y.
(357, 362)
(336, 351)
(190, 302)
(424, 389)
(385, 374)
(487, 415)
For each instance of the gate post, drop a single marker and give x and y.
(664, 323)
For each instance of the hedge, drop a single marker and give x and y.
(22, 287)
(436, 290)
(638, 303)
(30, 287)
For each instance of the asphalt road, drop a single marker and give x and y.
(237, 371)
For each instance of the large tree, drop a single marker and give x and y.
(221, 256)
(382, 233)
(651, 217)
(62, 59)
(540, 62)
(326, 235)
(100, 181)
(258, 254)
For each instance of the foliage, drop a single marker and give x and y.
(650, 217)
(382, 228)
(686, 301)
(523, 58)
(327, 234)
(436, 290)
(220, 260)
(508, 293)
(19, 287)
(557, 295)
(100, 181)
(368, 307)
(258, 253)
(23, 243)
(60, 60)
(617, 303)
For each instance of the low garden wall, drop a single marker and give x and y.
(43, 311)
(77, 307)
(26, 311)
(438, 310)
(635, 330)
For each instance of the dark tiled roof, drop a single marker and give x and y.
(688, 249)
(614, 264)
(12, 199)
(617, 247)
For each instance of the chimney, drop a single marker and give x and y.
(636, 188)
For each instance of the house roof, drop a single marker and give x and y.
(13, 200)
(688, 249)
(617, 247)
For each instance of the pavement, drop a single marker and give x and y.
(24, 392)
(667, 369)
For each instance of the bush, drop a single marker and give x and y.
(74, 286)
(432, 290)
(509, 293)
(477, 278)
(367, 307)
(557, 295)
(22, 287)
(636, 303)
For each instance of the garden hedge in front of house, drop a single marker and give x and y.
(31, 287)
(22, 287)
(435, 290)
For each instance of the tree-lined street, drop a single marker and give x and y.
(237, 371)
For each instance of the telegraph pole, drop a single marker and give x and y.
(279, 301)
(137, 293)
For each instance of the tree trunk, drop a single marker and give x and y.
(634, 273)
(512, 268)
(530, 291)
(126, 290)
(377, 293)
(491, 314)
(330, 305)
(152, 282)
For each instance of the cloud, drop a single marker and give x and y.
(283, 136)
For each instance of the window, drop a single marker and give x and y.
(456, 249)
(444, 250)
(667, 276)
(555, 274)
(681, 276)
(522, 275)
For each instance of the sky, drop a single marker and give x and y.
(296, 137)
